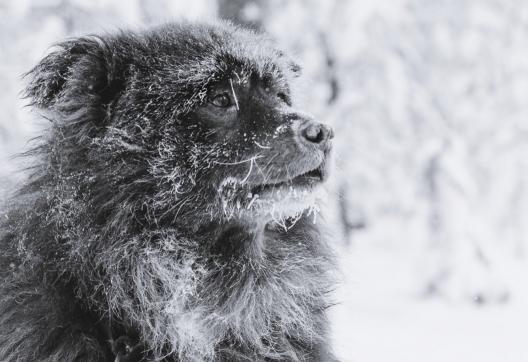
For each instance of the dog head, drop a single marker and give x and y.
(181, 120)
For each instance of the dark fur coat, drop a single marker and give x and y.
(142, 222)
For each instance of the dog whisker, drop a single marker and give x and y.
(239, 162)
(264, 147)
(234, 94)
(249, 172)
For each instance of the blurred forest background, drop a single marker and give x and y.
(429, 100)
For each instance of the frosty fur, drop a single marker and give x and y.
(133, 215)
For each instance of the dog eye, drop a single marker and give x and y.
(221, 100)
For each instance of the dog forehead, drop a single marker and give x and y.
(182, 61)
(218, 50)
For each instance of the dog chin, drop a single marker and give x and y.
(283, 204)
(272, 202)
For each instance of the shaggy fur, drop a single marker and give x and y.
(156, 215)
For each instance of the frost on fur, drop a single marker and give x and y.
(156, 213)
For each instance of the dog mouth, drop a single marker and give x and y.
(305, 180)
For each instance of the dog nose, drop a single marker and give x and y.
(317, 133)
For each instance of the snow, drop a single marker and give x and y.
(382, 318)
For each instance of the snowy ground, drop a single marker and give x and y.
(382, 318)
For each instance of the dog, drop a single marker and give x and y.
(171, 209)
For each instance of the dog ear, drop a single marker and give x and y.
(291, 64)
(79, 74)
